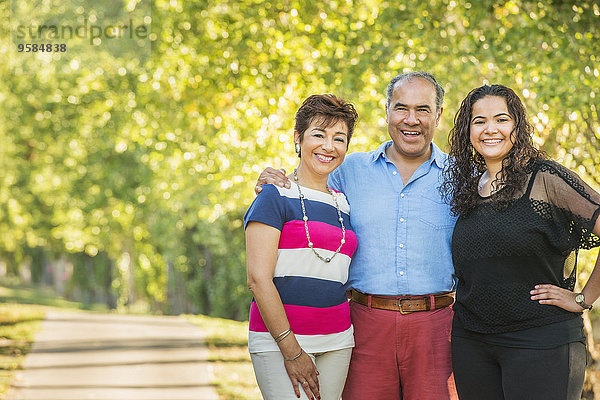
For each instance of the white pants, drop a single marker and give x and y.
(275, 384)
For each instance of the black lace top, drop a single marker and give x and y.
(500, 255)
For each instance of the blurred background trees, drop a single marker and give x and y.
(126, 182)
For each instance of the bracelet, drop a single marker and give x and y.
(283, 334)
(295, 357)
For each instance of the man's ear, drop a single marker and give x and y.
(439, 116)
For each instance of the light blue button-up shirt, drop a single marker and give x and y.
(404, 231)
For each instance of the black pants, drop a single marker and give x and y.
(490, 372)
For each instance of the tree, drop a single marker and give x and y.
(141, 169)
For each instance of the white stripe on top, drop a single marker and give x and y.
(316, 195)
(303, 262)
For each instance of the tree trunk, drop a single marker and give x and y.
(207, 278)
(110, 297)
(59, 274)
(176, 291)
(89, 295)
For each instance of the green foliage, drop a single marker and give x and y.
(138, 173)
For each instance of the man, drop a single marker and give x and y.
(401, 275)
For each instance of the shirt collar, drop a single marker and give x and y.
(380, 151)
(437, 155)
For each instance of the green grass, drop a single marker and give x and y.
(227, 342)
(18, 325)
(44, 297)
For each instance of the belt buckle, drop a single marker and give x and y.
(400, 300)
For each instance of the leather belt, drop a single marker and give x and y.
(405, 304)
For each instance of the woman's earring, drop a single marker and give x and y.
(297, 148)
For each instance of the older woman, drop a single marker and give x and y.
(517, 330)
(299, 243)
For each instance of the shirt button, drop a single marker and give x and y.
(401, 246)
(401, 272)
(394, 173)
(401, 219)
(401, 194)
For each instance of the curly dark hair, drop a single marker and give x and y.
(461, 178)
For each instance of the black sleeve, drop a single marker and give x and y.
(572, 202)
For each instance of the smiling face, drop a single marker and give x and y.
(491, 130)
(322, 148)
(412, 118)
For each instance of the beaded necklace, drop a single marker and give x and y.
(305, 219)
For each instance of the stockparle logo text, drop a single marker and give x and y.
(95, 33)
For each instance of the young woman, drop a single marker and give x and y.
(299, 243)
(517, 330)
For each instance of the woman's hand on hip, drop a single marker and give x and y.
(555, 296)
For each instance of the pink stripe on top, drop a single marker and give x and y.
(308, 320)
(323, 236)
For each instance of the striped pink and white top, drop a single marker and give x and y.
(313, 292)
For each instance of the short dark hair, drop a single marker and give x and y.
(329, 109)
(407, 76)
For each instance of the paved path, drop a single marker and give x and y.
(79, 356)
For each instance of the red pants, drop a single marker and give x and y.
(400, 357)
